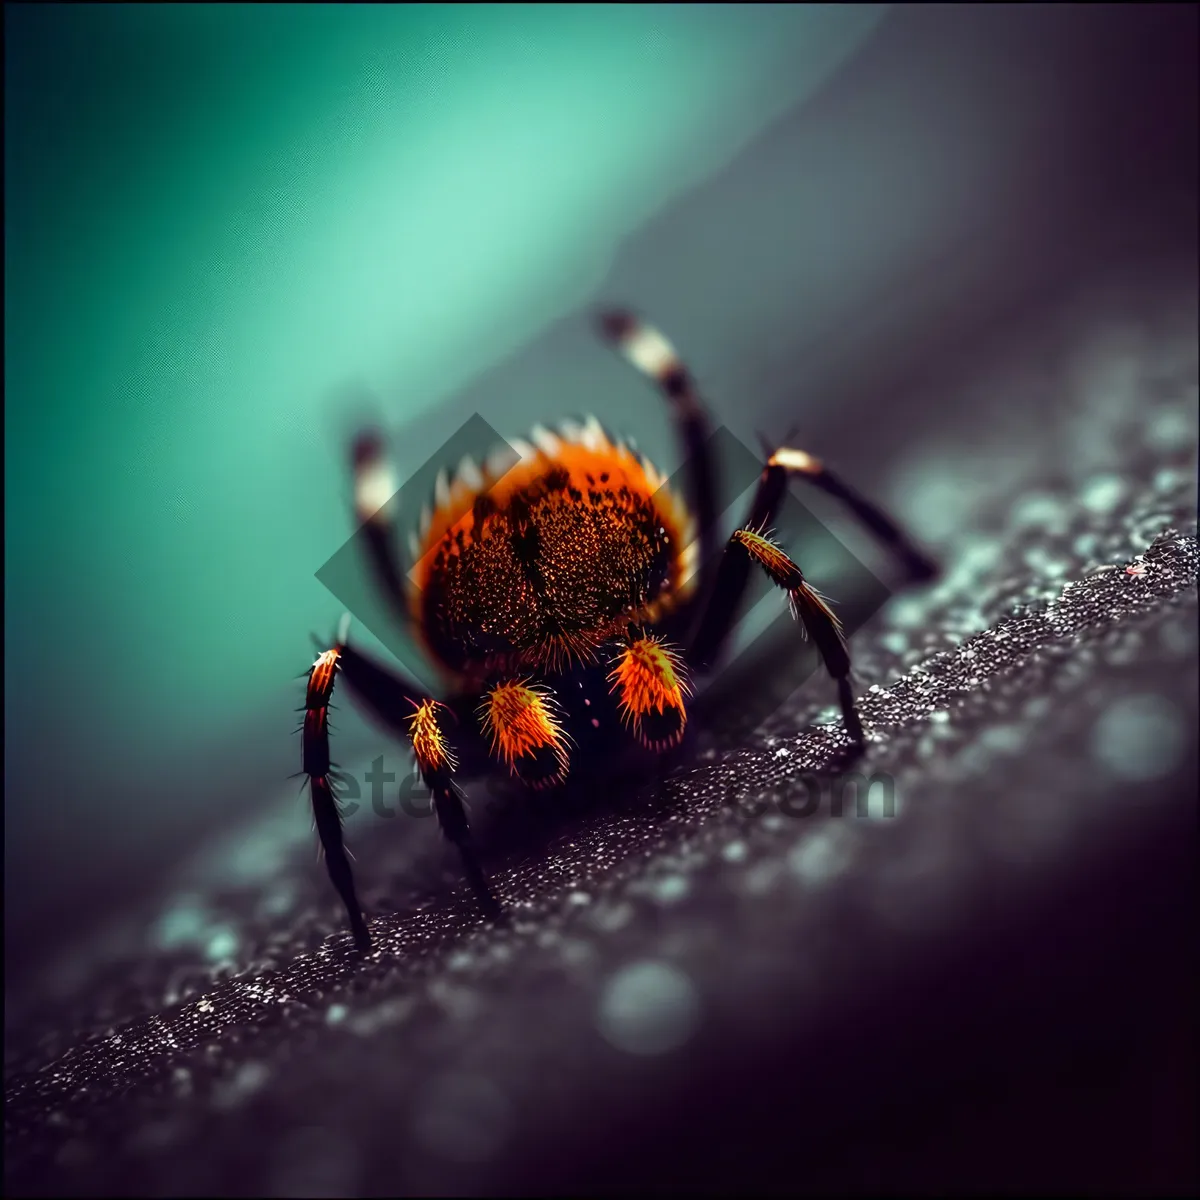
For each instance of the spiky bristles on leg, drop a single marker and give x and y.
(434, 755)
(316, 765)
(813, 613)
(648, 680)
(525, 732)
(437, 763)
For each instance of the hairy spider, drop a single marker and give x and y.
(566, 596)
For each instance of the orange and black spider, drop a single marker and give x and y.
(567, 596)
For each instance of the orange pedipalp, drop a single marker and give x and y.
(648, 681)
(522, 726)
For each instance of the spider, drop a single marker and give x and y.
(568, 597)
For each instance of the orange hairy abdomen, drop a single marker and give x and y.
(543, 563)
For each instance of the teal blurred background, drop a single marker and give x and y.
(221, 220)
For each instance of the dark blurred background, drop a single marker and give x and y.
(222, 221)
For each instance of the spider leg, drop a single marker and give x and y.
(654, 356)
(374, 486)
(817, 619)
(388, 698)
(917, 565)
(316, 765)
(437, 763)
(721, 609)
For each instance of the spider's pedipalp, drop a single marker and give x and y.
(648, 680)
(526, 734)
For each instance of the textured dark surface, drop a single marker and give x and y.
(707, 989)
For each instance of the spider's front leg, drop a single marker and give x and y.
(388, 698)
(316, 765)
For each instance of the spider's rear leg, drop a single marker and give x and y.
(375, 486)
(651, 353)
(917, 565)
(437, 763)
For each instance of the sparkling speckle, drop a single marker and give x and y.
(1025, 810)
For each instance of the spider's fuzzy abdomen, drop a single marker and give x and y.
(537, 563)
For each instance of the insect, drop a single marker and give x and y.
(568, 596)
